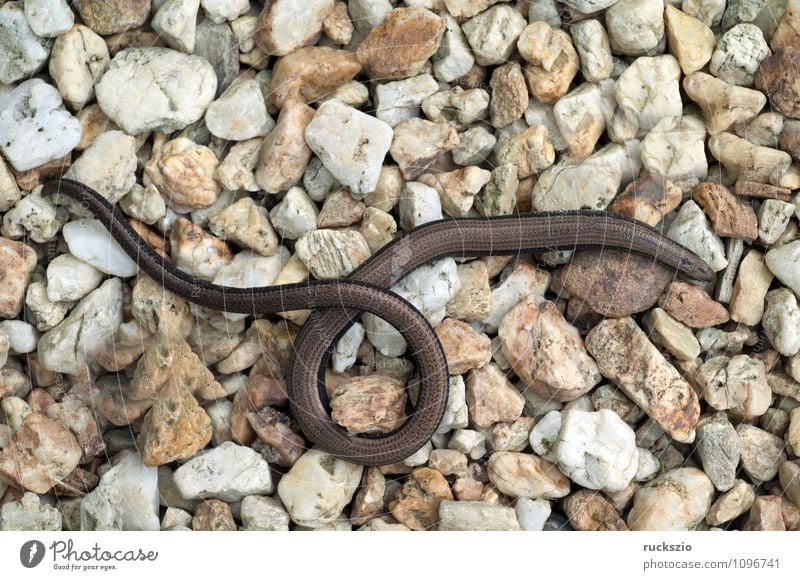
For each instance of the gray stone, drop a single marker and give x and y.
(217, 44)
(718, 448)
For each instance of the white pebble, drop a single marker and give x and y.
(91, 242)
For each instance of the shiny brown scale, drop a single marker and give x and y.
(339, 304)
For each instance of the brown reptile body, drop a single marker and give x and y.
(340, 303)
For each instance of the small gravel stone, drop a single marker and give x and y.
(29, 514)
(416, 503)
(677, 500)
(751, 286)
(229, 472)
(177, 87)
(491, 398)
(722, 104)
(27, 51)
(492, 34)
(738, 54)
(773, 217)
(41, 453)
(532, 513)
(400, 101)
(454, 57)
(175, 22)
(647, 91)
(240, 113)
(261, 513)
(625, 355)
(675, 336)
(91, 242)
(781, 321)
(731, 504)
(730, 215)
(366, 140)
(417, 143)
(284, 26)
(738, 383)
(782, 262)
(690, 40)
(718, 449)
(310, 73)
(521, 475)
(370, 404)
(635, 27)
(765, 515)
(675, 149)
(589, 511)
(35, 125)
(545, 351)
(591, 42)
(691, 229)
(216, 43)
(762, 453)
(400, 46)
(553, 61)
(110, 18)
(476, 516)
(331, 254)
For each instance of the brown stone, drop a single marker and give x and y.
(778, 77)
(337, 26)
(647, 199)
(78, 415)
(691, 305)
(762, 190)
(77, 484)
(310, 73)
(285, 154)
(13, 382)
(625, 355)
(340, 210)
(546, 352)
(176, 427)
(118, 409)
(491, 397)
(17, 262)
(158, 309)
(417, 143)
(41, 453)
(526, 475)
(509, 95)
(195, 251)
(588, 511)
(731, 216)
(281, 444)
(474, 299)
(368, 501)
(615, 282)
(788, 31)
(464, 348)
(213, 515)
(111, 17)
(400, 46)
(416, 504)
(370, 404)
(789, 139)
(765, 515)
(553, 61)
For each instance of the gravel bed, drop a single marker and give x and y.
(262, 145)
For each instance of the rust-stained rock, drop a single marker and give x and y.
(176, 427)
(400, 46)
(546, 352)
(625, 355)
(370, 404)
(17, 262)
(213, 515)
(310, 73)
(416, 504)
(280, 443)
(778, 77)
(615, 282)
(647, 199)
(692, 305)
(526, 475)
(731, 216)
(464, 348)
(41, 453)
(491, 398)
(766, 515)
(589, 511)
